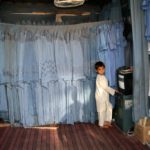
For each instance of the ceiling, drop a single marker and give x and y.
(19, 6)
(13, 9)
(100, 3)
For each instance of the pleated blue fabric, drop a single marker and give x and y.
(47, 73)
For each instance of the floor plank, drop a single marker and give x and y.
(81, 136)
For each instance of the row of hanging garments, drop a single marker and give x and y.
(47, 73)
(111, 44)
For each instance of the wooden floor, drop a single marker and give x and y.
(67, 137)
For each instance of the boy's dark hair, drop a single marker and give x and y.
(99, 64)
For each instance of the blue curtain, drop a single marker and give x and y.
(140, 62)
(47, 73)
(146, 8)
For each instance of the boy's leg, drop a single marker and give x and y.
(102, 114)
(101, 118)
(108, 114)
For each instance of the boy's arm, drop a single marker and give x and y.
(110, 90)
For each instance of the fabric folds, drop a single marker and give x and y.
(47, 73)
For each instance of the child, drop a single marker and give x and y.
(104, 107)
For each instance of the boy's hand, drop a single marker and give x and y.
(117, 93)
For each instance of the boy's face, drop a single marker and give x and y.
(100, 70)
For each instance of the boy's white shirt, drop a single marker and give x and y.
(102, 85)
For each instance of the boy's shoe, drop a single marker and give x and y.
(107, 123)
(104, 127)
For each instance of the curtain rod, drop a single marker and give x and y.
(61, 26)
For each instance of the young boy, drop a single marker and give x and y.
(104, 107)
